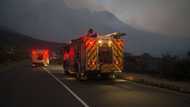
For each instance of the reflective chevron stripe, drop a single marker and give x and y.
(91, 50)
(92, 55)
(118, 48)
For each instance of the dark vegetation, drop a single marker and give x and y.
(15, 46)
(168, 66)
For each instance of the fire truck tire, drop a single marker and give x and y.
(81, 76)
(33, 65)
(66, 72)
(113, 76)
(78, 76)
(105, 76)
(45, 65)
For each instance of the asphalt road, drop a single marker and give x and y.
(23, 86)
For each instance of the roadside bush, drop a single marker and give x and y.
(168, 67)
(182, 70)
(3, 56)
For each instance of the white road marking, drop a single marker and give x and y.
(68, 89)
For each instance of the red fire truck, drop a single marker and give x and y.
(100, 55)
(40, 57)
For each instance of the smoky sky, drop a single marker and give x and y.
(154, 26)
(54, 20)
(168, 17)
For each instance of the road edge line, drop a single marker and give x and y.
(67, 88)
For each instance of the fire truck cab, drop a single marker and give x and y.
(40, 57)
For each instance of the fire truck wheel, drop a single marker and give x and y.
(33, 65)
(109, 76)
(114, 76)
(84, 76)
(45, 65)
(66, 72)
(105, 76)
(81, 76)
(78, 75)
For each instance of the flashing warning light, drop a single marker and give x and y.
(46, 53)
(119, 43)
(109, 43)
(100, 41)
(91, 42)
(71, 54)
(33, 52)
(65, 56)
(41, 55)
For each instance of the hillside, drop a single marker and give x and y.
(15, 46)
(12, 39)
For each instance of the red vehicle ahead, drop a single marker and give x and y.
(40, 57)
(97, 55)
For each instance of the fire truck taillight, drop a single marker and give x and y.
(46, 53)
(92, 63)
(34, 53)
(91, 43)
(116, 62)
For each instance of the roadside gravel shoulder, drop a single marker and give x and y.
(183, 87)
